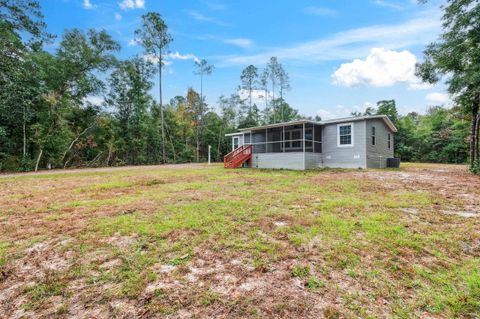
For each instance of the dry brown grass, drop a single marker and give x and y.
(197, 241)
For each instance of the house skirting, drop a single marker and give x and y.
(287, 160)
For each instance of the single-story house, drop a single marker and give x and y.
(353, 142)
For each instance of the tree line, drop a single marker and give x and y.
(439, 136)
(48, 119)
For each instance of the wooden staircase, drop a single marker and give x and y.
(238, 156)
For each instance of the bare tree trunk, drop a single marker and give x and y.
(219, 158)
(273, 102)
(24, 133)
(164, 157)
(474, 130)
(38, 159)
(266, 99)
(281, 102)
(73, 143)
(477, 134)
(197, 138)
(199, 118)
(110, 147)
(173, 146)
(250, 96)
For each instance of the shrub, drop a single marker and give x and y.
(475, 167)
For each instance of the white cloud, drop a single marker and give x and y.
(118, 16)
(132, 4)
(438, 98)
(214, 6)
(240, 42)
(258, 96)
(352, 43)
(320, 11)
(341, 111)
(88, 5)
(177, 56)
(151, 58)
(132, 42)
(170, 57)
(203, 18)
(389, 4)
(381, 68)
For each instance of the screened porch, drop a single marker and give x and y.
(304, 137)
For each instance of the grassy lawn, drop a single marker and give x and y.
(198, 241)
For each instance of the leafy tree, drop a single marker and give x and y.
(19, 88)
(24, 16)
(457, 55)
(249, 78)
(389, 108)
(228, 113)
(154, 37)
(284, 81)
(288, 113)
(128, 95)
(69, 78)
(264, 86)
(202, 69)
(273, 71)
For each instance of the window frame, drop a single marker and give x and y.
(351, 134)
(389, 141)
(233, 142)
(292, 144)
(374, 136)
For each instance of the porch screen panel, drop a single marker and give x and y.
(258, 142)
(317, 139)
(274, 140)
(293, 138)
(308, 137)
(246, 138)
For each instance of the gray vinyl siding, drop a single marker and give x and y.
(344, 157)
(361, 155)
(294, 161)
(313, 160)
(377, 154)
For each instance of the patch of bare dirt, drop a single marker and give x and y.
(218, 282)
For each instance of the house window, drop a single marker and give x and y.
(345, 135)
(374, 139)
(389, 140)
(235, 143)
(293, 140)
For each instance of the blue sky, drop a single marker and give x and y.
(341, 55)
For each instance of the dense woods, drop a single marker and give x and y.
(49, 120)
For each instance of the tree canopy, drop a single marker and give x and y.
(455, 56)
(80, 105)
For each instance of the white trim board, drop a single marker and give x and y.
(351, 133)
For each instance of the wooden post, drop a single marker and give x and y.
(209, 149)
(303, 137)
(266, 140)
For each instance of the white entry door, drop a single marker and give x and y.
(235, 143)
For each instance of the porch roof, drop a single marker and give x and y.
(249, 129)
(385, 118)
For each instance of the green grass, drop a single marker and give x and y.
(327, 225)
(3, 252)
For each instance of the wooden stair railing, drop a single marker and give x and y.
(238, 156)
